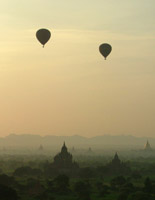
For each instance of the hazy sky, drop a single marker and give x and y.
(68, 88)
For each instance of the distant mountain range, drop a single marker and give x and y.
(76, 140)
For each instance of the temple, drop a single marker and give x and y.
(64, 159)
(89, 150)
(116, 161)
(117, 167)
(147, 146)
(41, 147)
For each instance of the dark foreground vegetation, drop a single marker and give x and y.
(35, 177)
(62, 187)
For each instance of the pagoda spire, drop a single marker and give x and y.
(64, 148)
(147, 146)
(116, 159)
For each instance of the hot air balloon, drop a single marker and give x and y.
(105, 49)
(43, 35)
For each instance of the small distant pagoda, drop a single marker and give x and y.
(41, 148)
(116, 166)
(63, 160)
(90, 150)
(116, 161)
(147, 146)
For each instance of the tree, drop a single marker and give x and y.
(148, 185)
(136, 175)
(122, 196)
(139, 196)
(62, 184)
(118, 181)
(125, 190)
(7, 193)
(86, 173)
(82, 190)
(27, 171)
(6, 180)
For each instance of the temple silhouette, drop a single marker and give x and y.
(116, 166)
(64, 160)
(116, 161)
(147, 146)
(41, 148)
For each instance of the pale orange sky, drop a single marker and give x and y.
(67, 88)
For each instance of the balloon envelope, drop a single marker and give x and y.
(105, 49)
(43, 35)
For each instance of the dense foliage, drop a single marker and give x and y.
(32, 178)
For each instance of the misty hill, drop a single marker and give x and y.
(77, 141)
